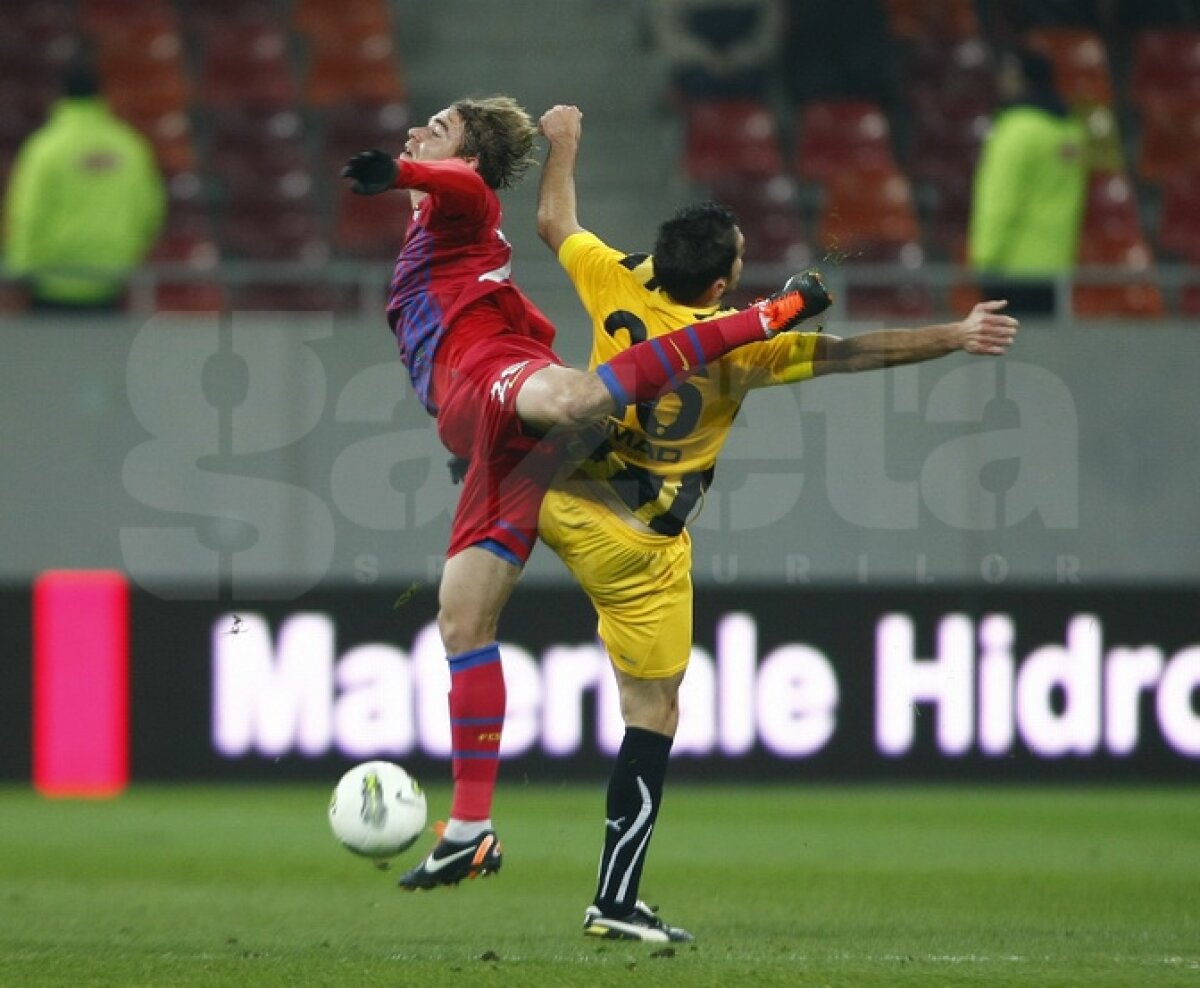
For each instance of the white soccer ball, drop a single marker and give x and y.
(377, 810)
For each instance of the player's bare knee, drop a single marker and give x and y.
(463, 630)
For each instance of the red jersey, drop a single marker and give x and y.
(453, 254)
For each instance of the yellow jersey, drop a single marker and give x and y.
(660, 455)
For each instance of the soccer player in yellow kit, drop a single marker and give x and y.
(618, 522)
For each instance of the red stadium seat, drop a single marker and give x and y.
(912, 298)
(1111, 209)
(731, 137)
(771, 219)
(947, 133)
(1141, 299)
(949, 216)
(866, 208)
(1170, 144)
(345, 19)
(962, 70)
(1179, 219)
(294, 297)
(353, 127)
(915, 19)
(105, 18)
(247, 65)
(249, 147)
(837, 136)
(1080, 60)
(190, 296)
(1166, 66)
(274, 231)
(348, 70)
(370, 226)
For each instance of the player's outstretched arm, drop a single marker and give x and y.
(557, 213)
(985, 330)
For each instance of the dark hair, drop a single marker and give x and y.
(694, 248)
(499, 133)
(1037, 70)
(80, 78)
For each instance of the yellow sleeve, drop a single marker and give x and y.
(784, 360)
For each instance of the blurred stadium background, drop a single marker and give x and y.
(241, 450)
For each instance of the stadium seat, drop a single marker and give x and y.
(294, 297)
(254, 229)
(190, 296)
(731, 137)
(247, 65)
(249, 146)
(1140, 299)
(352, 127)
(946, 135)
(1111, 209)
(836, 136)
(105, 18)
(911, 298)
(1179, 218)
(351, 70)
(345, 19)
(959, 69)
(917, 19)
(370, 227)
(865, 209)
(28, 77)
(1189, 300)
(1166, 66)
(771, 219)
(949, 215)
(1080, 60)
(1170, 140)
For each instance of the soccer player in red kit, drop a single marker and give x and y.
(479, 355)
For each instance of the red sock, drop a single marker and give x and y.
(477, 699)
(658, 365)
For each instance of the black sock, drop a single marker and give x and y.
(634, 795)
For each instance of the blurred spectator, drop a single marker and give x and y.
(837, 49)
(85, 201)
(1028, 196)
(719, 49)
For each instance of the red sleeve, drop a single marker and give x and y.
(450, 177)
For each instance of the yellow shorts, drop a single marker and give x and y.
(639, 584)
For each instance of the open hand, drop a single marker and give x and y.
(987, 330)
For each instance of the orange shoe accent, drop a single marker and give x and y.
(484, 847)
(782, 312)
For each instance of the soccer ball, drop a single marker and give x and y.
(377, 810)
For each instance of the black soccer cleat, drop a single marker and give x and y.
(643, 923)
(451, 861)
(802, 297)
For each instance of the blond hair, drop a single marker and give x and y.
(499, 134)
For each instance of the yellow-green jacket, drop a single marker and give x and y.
(84, 192)
(1028, 199)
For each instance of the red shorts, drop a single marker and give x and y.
(510, 469)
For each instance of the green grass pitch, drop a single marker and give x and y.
(797, 885)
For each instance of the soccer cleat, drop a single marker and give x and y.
(641, 924)
(451, 861)
(802, 297)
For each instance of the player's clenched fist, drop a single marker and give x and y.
(561, 123)
(370, 172)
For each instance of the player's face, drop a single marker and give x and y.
(437, 140)
(735, 273)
